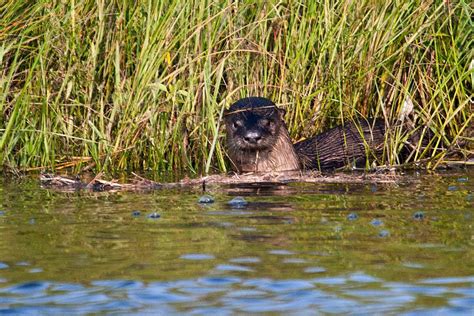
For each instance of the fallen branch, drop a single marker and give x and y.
(139, 183)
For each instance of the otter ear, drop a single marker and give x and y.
(281, 113)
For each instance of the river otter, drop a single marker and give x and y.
(258, 140)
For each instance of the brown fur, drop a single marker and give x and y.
(280, 157)
(342, 145)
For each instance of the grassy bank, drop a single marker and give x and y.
(125, 85)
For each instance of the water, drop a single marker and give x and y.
(404, 248)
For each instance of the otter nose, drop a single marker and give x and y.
(252, 137)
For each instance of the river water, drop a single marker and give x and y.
(401, 248)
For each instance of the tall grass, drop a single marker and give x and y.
(141, 85)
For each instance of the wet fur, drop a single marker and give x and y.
(342, 146)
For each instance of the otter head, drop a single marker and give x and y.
(257, 137)
(253, 124)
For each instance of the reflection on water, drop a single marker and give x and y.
(300, 248)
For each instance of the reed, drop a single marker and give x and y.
(141, 85)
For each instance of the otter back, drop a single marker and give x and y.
(351, 144)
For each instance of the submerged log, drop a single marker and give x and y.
(137, 183)
(97, 184)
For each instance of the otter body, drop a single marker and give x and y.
(258, 141)
(351, 144)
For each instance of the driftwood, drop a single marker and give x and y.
(97, 184)
(138, 183)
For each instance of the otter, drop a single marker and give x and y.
(258, 141)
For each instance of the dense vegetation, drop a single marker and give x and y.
(141, 85)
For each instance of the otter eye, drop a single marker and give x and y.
(266, 123)
(237, 124)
